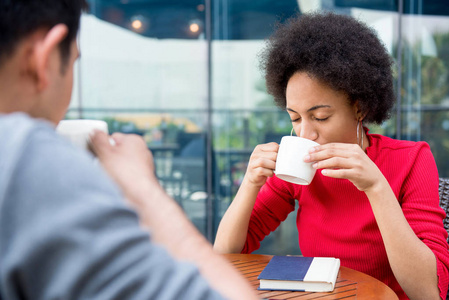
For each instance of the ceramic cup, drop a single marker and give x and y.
(290, 165)
(78, 131)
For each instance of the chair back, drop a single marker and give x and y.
(444, 200)
(444, 203)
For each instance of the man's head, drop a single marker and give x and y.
(38, 38)
(20, 18)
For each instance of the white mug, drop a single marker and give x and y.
(78, 131)
(290, 165)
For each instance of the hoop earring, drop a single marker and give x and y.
(291, 132)
(360, 143)
(363, 132)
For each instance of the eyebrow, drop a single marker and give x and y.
(312, 108)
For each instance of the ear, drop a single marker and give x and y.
(44, 49)
(359, 113)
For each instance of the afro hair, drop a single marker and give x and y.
(337, 50)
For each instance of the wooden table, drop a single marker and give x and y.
(350, 284)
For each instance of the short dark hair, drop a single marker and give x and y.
(337, 50)
(20, 18)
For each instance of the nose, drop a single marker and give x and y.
(307, 131)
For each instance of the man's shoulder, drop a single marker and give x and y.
(32, 146)
(21, 120)
(17, 128)
(34, 157)
(16, 132)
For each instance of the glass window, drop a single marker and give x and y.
(185, 75)
(425, 77)
(144, 70)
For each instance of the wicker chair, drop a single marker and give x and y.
(444, 200)
(444, 203)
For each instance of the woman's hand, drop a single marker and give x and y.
(261, 164)
(346, 161)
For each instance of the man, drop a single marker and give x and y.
(65, 232)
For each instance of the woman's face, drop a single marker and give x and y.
(320, 113)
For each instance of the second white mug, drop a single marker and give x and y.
(78, 131)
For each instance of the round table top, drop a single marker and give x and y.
(351, 284)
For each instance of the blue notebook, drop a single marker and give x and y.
(297, 273)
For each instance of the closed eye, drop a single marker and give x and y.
(296, 120)
(321, 120)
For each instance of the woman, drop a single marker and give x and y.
(373, 202)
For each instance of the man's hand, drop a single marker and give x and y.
(128, 162)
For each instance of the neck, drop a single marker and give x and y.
(13, 101)
(17, 93)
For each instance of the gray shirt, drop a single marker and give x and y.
(65, 232)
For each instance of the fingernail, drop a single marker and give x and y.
(324, 172)
(315, 165)
(307, 158)
(311, 150)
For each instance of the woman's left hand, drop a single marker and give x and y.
(346, 161)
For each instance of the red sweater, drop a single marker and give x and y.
(335, 219)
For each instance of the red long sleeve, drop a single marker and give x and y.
(335, 219)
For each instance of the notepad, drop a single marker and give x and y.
(297, 273)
